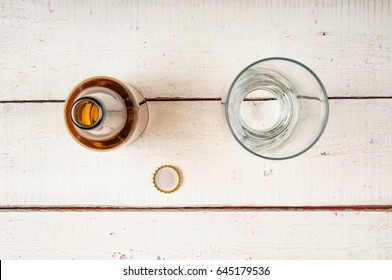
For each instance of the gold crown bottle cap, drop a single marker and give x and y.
(167, 178)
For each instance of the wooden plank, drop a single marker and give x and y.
(196, 235)
(190, 48)
(41, 165)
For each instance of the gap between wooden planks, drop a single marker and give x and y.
(170, 99)
(357, 208)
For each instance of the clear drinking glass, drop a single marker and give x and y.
(103, 113)
(276, 108)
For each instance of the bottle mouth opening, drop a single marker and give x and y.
(86, 113)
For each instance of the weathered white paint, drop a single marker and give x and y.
(190, 48)
(40, 164)
(193, 49)
(196, 235)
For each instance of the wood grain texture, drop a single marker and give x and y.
(41, 165)
(196, 235)
(190, 48)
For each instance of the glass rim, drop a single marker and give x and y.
(326, 106)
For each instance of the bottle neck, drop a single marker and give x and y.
(87, 113)
(99, 113)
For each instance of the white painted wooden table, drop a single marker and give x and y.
(59, 200)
